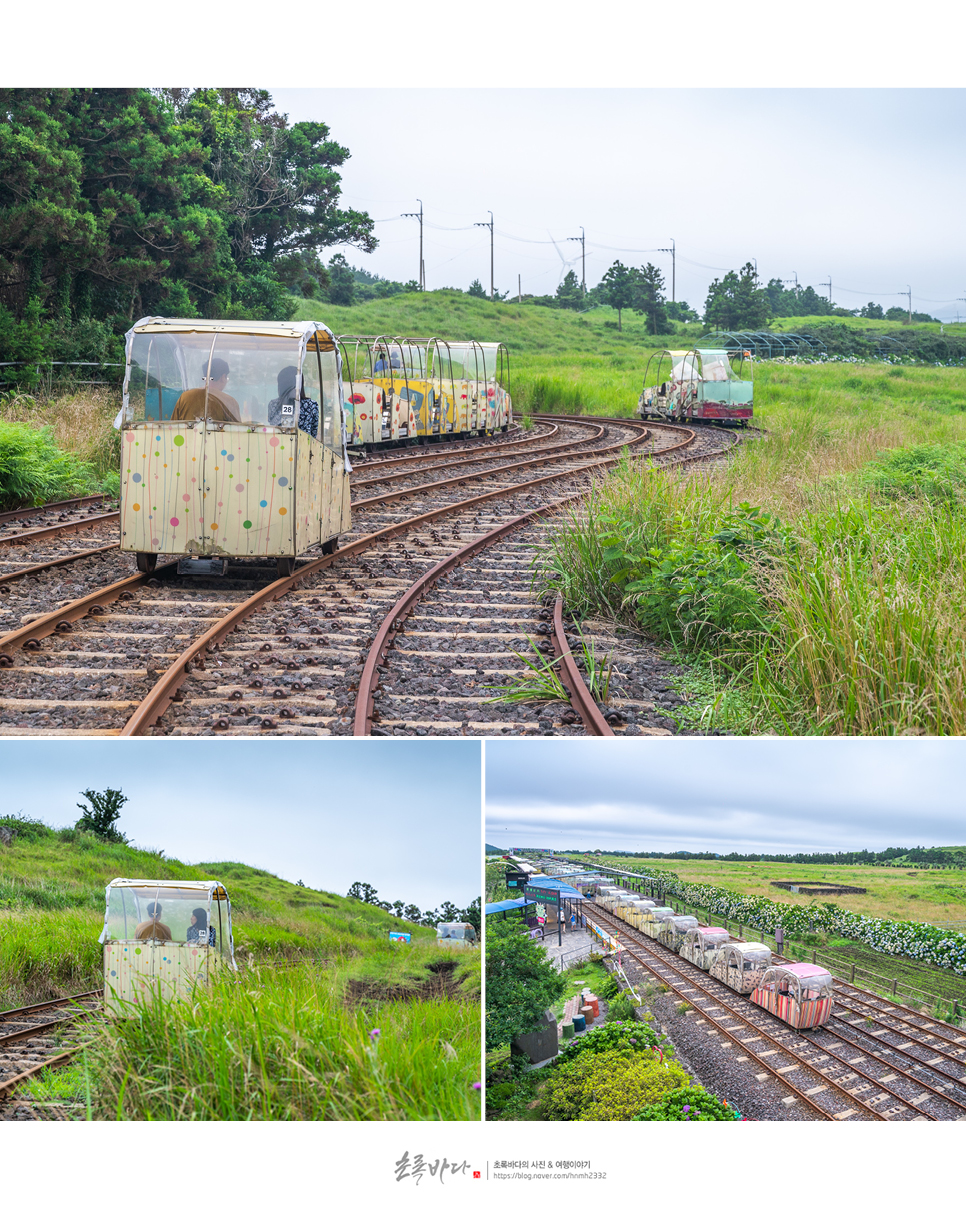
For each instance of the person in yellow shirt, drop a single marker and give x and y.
(152, 928)
(221, 406)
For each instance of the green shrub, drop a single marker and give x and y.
(620, 1009)
(691, 1104)
(33, 470)
(617, 1035)
(609, 1087)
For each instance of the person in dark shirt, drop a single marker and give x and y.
(308, 411)
(199, 932)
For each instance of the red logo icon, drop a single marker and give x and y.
(475, 1175)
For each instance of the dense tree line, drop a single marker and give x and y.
(941, 856)
(447, 913)
(117, 203)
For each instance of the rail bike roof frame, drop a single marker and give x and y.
(214, 890)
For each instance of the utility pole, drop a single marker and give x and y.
(519, 291)
(827, 284)
(908, 292)
(793, 280)
(673, 252)
(422, 266)
(583, 259)
(483, 224)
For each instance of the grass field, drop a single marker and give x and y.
(291, 1036)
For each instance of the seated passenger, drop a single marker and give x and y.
(152, 928)
(199, 932)
(381, 365)
(221, 406)
(308, 407)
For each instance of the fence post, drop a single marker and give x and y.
(895, 983)
(852, 978)
(814, 962)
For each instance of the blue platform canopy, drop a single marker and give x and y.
(514, 904)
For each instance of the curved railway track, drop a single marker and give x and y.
(369, 639)
(32, 1039)
(857, 1068)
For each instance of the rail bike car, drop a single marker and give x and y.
(456, 935)
(801, 995)
(741, 966)
(674, 930)
(702, 945)
(701, 383)
(162, 939)
(638, 911)
(400, 390)
(232, 441)
(652, 920)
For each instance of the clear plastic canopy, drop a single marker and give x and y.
(169, 911)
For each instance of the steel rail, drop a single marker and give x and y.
(47, 624)
(38, 1030)
(581, 699)
(490, 455)
(428, 454)
(460, 479)
(10, 1085)
(39, 1007)
(11, 576)
(608, 921)
(805, 1036)
(53, 531)
(392, 624)
(60, 505)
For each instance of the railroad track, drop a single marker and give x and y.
(858, 1068)
(32, 1037)
(403, 631)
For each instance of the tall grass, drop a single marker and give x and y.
(839, 607)
(283, 1046)
(58, 444)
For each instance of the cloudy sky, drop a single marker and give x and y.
(726, 795)
(404, 816)
(860, 185)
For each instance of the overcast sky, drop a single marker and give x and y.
(403, 816)
(726, 795)
(863, 185)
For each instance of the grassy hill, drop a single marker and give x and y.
(292, 1036)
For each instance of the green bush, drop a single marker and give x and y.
(620, 1009)
(33, 470)
(691, 1104)
(618, 1035)
(609, 1087)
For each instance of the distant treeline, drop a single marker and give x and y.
(117, 203)
(447, 913)
(944, 857)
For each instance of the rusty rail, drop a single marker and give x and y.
(11, 576)
(53, 531)
(581, 699)
(16, 514)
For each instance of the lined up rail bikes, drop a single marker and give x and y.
(418, 390)
(700, 383)
(162, 939)
(236, 435)
(798, 994)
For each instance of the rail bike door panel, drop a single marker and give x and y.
(249, 491)
(162, 486)
(310, 497)
(142, 971)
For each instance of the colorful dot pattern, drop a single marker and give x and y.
(133, 972)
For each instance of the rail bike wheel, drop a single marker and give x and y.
(286, 565)
(146, 562)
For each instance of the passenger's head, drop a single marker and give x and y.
(216, 373)
(286, 383)
(154, 910)
(199, 918)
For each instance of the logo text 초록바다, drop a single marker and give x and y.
(416, 1168)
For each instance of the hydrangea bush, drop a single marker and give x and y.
(691, 1104)
(609, 1087)
(619, 1035)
